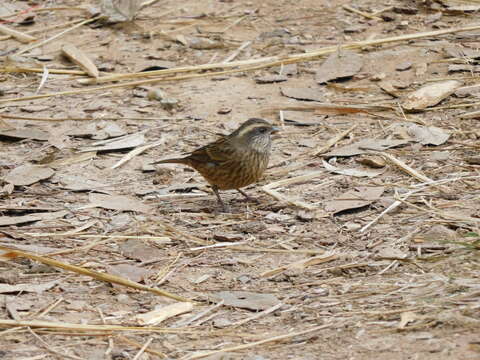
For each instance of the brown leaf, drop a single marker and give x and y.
(340, 64)
(118, 202)
(364, 146)
(305, 93)
(12, 220)
(28, 174)
(80, 58)
(139, 250)
(430, 95)
(247, 300)
(355, 198)
(26, 133)
(36, 288)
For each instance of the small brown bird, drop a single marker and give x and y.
(235, 160)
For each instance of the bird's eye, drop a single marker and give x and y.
(262, 130)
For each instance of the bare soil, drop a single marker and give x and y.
(408, 287)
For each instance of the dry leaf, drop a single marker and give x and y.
(26, 133)
(80, 58)
(130, 272)
(28, 174)
(247, 300)
(352, 172)
(77, 182)
(364, 146)
(355, 198)
(36, 288)
(306, 94)
(12, 220)
(120, 10)
(139, 250)
(339, 65)
(427, 135)
(430, 95)
(124, 142)
(157, 316)
(118, 202)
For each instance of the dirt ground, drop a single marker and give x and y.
(362, 257)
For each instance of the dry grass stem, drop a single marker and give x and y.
(362, 13)
(22, 37)
(258, 315)
(94, 274)
(204, 354)
(143, 348)
(54, 37)
(136, 344)
(81, 328)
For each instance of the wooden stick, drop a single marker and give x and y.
(22, 37)
(364, 14)
(54, 37)
(94, 274)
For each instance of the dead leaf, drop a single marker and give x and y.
(118, 202)
(36, 288)
(77, 182)
(300, 265)
(120, 10)
(306, 94)
(80, 58)
(124, 142)
(364, 146)
(339, 65)
(352, 172)
(25, 133)
(430, 95)
(139, 250)
(155, 317)
(373, 161)
(28, 174)
(354, 199)
(302, 118)
(12, 220)
(247, 300)
(99, 130)
(430, 135)
(130, 272)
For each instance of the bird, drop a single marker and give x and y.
(233, 161)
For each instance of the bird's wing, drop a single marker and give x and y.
(216, 152)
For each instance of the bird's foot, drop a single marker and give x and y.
(248, 197)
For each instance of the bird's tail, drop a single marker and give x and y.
(173, 161)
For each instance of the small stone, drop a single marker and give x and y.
(224, 110)
(351, 226)
(379, 77)
(244, 279)
(123, 299)
(321, 291)
(404, 66)
(269, 79)
(156, 94)
(169, 103)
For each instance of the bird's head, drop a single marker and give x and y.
(255, 134)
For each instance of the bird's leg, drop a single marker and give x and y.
(248, 197)
(220, 201)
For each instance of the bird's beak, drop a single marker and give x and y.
(275, 129)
